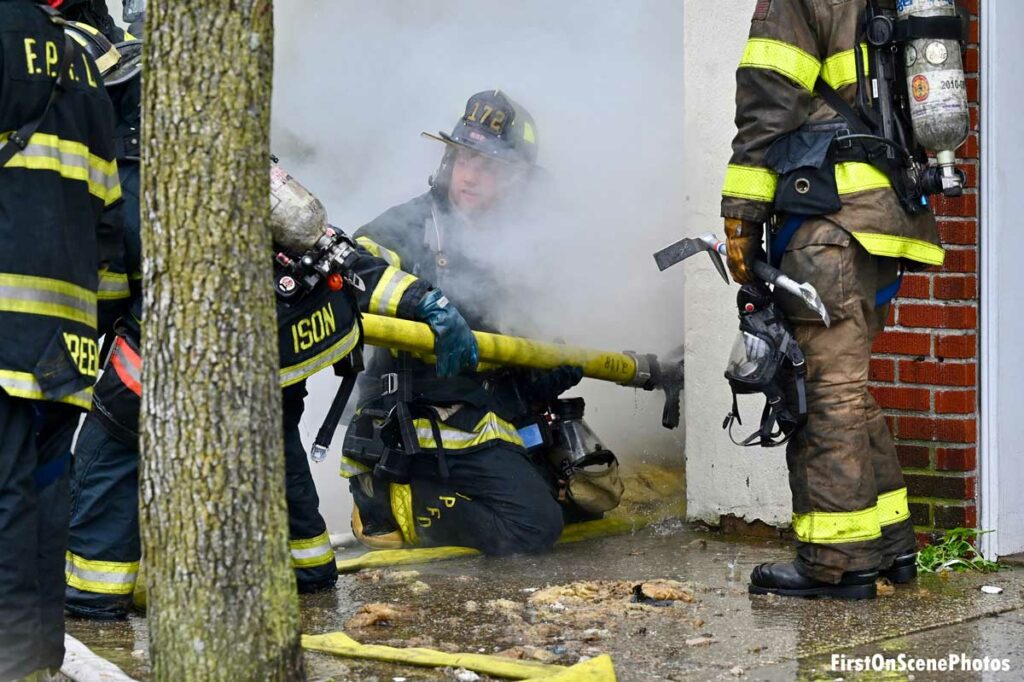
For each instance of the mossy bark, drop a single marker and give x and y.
(221, 594)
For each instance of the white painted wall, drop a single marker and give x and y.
(721, 478)
(1002, 243)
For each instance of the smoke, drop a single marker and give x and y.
(356, 83)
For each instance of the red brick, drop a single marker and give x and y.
(923, 539)
(969, 149)
(955, 459)
(915, 286)
(949, 516)
(942, 373)
(964, 206)
(958, 232)
(920, 513)
(973, 6)
(882, 370)
(955, 402)
(971, 60)
(961, 260)
(956, 287)
(890, 318)
(970, 488)
(928, 428)
(914, 456)
(974, 34)
(975, 114)
(971, 517)
(956, 346)
(903, 343)
(941, 316)
(945, 487)
(900, 398)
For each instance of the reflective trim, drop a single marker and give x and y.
(113, 286)
(854, 176)
(127, 365)
(892, 507)
(296, 373)
(389, 256)
(50, 297)
(401, 509)
(102, 577)
(841, 69)
(71, 160)
(490, 427)
(350, 468)
(893, 246)
(389, 290)
(749, 182)
(24, 385)
(834, 528)
(789, 60)
(311, 552)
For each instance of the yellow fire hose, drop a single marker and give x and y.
(626, 368)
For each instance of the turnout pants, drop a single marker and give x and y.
(849, 500)
(494, 500)
(35, 440)
(104, 552)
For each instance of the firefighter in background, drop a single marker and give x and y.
(57, 175)
(439, 460)
(848, 215)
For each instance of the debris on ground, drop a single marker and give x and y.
(463, 675)
(884, 587)
(991, 589)
(504, 607)
(666, 590)
(418, 587)
(388, 576)
(375, 615)
(703, 640)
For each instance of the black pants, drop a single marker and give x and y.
(494, 500)
(104, 542)
(35, 439)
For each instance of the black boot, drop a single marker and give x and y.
(786, 581)
(903, 569)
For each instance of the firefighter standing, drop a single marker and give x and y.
(57, 176)
(847, 223)
(439, 460)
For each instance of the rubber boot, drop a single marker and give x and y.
(786, 581)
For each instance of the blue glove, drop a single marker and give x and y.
(454, 343)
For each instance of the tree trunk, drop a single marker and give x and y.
(221, 594)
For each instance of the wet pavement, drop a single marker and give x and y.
(715, 631)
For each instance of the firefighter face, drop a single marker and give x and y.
(478, 183)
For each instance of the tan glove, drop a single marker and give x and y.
(743, 246)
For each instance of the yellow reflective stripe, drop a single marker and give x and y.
(391, 257)
(113, 286)
(490, 427)
(893, 507)
(71, 160)
(350, 467)
(311, 552)
(24, 385)
(893, 246)
(833, 528)
(789, 60)
(401, 509)
(103, 577)
(293, 374)
(389, 290)
(841, 69)
(854, 176)
(750, 182)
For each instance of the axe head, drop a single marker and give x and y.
(683, 249)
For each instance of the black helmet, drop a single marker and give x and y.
(496, 127)
(95, 43)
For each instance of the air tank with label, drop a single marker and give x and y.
(936, 87)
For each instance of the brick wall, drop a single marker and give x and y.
(924, 372)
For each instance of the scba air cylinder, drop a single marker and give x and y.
(935, 82)
(297, 218)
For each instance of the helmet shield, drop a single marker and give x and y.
(496, 127)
